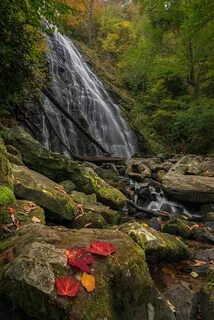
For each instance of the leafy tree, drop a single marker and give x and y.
(22, 47)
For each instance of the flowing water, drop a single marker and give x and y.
(83, 95)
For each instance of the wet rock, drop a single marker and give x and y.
(137, 170)
(205, 255)
(209, 225)
(160, 175)
(59, 168)
(209, 217)
(185, 302)
(158, 246)
(206, 208)
(124, 288)
(182, 184)
(206, 297)
(155, 224)
(177, 227)
(204, 235)
(35, 187)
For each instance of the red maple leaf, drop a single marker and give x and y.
(74, 253)
(79, 264)
(67, 286)
(101, 248)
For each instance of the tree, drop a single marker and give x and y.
(23, 47)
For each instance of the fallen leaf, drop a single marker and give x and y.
(88, 282)
(60, 189)
(194, 274)
(35, 219)
(87, 225)
(10, 210)
(101, 248)
(198, 263)
(8, 255)
(73, 252)
(79, 264)
(67, 286)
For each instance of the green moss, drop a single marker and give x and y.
(208, 286)
(105, 193)
(6, 196)
(5, 167)
(177, 227)
(159, 247)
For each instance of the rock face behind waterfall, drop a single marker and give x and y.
(79, 91)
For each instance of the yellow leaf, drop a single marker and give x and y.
(88, 282)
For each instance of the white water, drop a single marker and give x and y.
(83, 95)
(161, 203)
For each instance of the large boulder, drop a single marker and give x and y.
(124, 289)
(159, 247)
(33, 186)
(59, 168)
(191, 180)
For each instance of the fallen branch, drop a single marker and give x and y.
(50, 96)
(150, 212)
(74, 156)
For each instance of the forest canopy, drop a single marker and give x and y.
(158, 52)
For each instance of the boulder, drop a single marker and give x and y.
(184, 300)
(205, 255)
(206, 297)
(190, 181)
(177, 227)
(159, 247)
(93, 215)
(60, 168)
(209, 217)
(137, 170)
(33, 186)
(89, 220)
(124, 289)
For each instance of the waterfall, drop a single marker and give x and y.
(83, 95)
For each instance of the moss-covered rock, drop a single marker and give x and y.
(68, 186)
(95, 215)
(90, 220)
(27, 212)
(177, 227)
(82, 198)
(209, 217)
(6, 196)
(35, 187)
(159, 247)
(5, 167)
(124, 289)
(206, 298)
(59, 168)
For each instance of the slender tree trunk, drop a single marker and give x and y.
(90, 5)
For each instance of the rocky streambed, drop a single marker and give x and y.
(158, 212)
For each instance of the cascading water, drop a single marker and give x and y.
(83, 95)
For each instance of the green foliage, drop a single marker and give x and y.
(22, 48)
